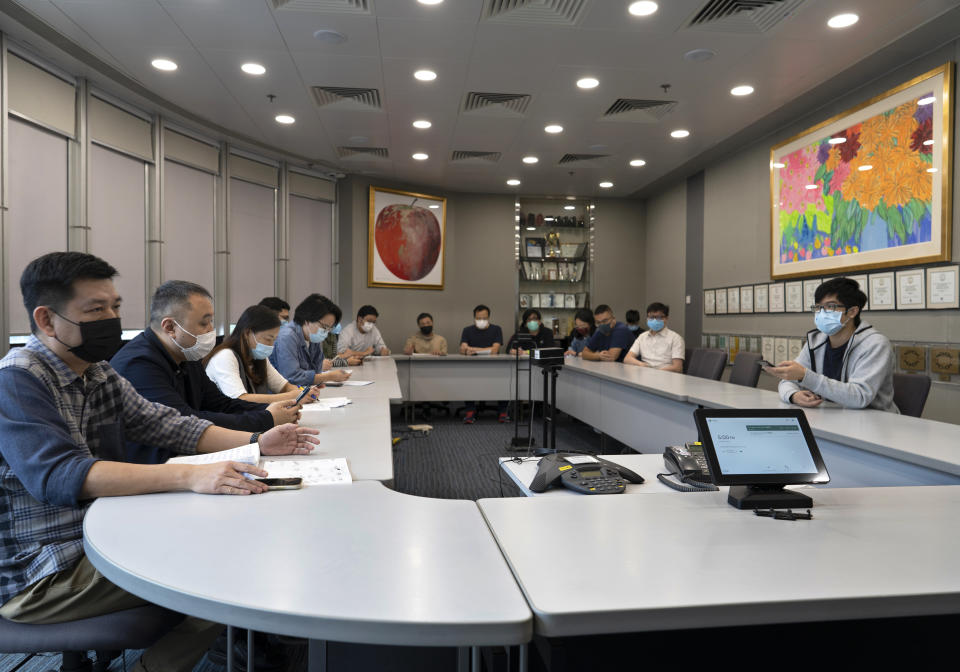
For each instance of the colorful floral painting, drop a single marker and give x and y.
(866, 190)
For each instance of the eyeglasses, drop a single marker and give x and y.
(832, 307)
(328, 327)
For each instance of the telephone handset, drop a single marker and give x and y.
(688, 465)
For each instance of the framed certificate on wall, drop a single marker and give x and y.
(864, 287)
(882, 294)
(709, 302)
(746, 299)
(721, 302)
(910, 290)
(776, 297)
(942, 287)
(733, 299)
(794, 296)
(760, 294)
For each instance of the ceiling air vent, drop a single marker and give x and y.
(539, 12)
(464, 155)
(638, 110)
(361, 152)
(573, 158)
(346, 98)
(743, 17)
(496, 104)
(340, 6)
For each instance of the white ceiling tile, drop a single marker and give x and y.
(226, 24)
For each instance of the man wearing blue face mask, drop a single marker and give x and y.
(660, 347)
(298, 350)
(845, 360)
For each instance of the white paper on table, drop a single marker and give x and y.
(248, 453)
(313, 472)
(580, 459)
(357, 383)
(327, 403)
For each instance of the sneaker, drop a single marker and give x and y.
(469, 417)
(504, 417)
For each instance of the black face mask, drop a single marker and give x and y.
(426, 331)
(99, 339)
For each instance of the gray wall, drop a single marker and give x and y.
(619, 252)
(666, 242)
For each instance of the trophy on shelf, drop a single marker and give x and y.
(553, 244)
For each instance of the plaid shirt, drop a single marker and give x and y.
(54, 425)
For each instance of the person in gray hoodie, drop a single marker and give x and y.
(845, 360)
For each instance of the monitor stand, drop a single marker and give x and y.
(767, 497)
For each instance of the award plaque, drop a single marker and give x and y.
(912, 357)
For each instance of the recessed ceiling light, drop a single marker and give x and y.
(606, 185)
(328, 36)
(843, 20)
(928, 142)
(420, 156)
(742, 90)
(926, 101)
(530, 159)
(253, 68)
(642, 8)
(836, 141)
(699, 55)
(553, 128)
(778, 165)
(679, 133)
(425, 75)
(513, 183)
(569, 207)
(636, 163)
(284, 119)
(864, 168)
(163, 64)
(588, 83)
(812, 186)
(422, 123)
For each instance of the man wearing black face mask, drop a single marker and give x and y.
(425, 342)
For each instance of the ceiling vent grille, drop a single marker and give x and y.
(345, 97)
(573, 158)
(465, 155)
(743, 17)
(338, 6)
(539, 12)
(354, 152)
(496, 104)
(638, 110)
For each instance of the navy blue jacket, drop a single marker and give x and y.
(153, 373)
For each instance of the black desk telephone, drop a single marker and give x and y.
(688, 465)
(582, 473)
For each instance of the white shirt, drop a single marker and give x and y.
(224, 370)
(358, 341)
(658, 349)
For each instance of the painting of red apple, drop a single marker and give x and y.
(406, 240)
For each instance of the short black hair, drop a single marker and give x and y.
(602, 308)
(479, 308)
(527, 314)
(632, 316)
(314, 308)
(367, 310)
(657, 307)
(274, 303)
(423, 315)
(171, 298)
(848, 293)
(48, 280)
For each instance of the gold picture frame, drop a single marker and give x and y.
(406, 240)
(869, 188)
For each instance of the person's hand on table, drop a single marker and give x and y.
(288, 440)
(226, 478)
(806, 398)
(384, 352)
(788, 370)
(284, 411)
(353, 360)
(327, 364)
(607, 356)
(336, 376)
(367, 352)
(312, 395)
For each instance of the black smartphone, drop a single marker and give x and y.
(765, 363)
(282, 483)
(302, 394)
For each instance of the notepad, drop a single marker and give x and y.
(357, 383)
(313, 472)
(248, 453)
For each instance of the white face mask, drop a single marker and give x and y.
(367, 327)
(482, 324)
(204, 344)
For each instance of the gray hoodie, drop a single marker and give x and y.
(866, 379)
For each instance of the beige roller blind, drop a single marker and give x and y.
(183, 149)
(37, 95)
(312, 187)
(253, 171)
(189, 202)
(311, 248)
(118, 129)
(252, 215)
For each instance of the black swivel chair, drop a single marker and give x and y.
(910, 393)
(746, 369)
(108, 635)
(687, 354)
(707, 363)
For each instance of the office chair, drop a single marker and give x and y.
(707, 363)
(910, 393)
(687, 354)
(746, 369)
(108, 635)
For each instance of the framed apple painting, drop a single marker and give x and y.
(406, 240)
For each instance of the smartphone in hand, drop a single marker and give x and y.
(281, 483)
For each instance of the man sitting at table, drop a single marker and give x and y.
(64, 413)
(298, 349)
(163, 363)
(844, 360)
(361, 338)
(610, 341)
(425, 341)
(482, 338)
(660, 347)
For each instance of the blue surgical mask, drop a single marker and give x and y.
(319, 336)
(828, 321)
(654, 324)
(337, 329)
(633, 327)
(261, 351)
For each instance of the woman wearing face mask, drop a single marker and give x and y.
(298, 351)
(531, 333)
(583, 327)
(239, 366)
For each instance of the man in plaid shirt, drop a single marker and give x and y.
(64, 417)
